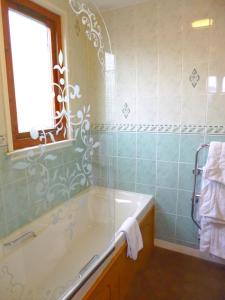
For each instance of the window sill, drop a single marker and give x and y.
(22, 153)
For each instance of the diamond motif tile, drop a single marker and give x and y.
(194, 78)
(126, 110)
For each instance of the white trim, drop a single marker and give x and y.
(187, 251)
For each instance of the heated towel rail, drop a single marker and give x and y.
(195, 195)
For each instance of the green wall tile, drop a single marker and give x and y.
(188, 147)
(127, 144)
(126, 170)
(166, 200)
(112, 172)
(16, 198)
(126, 186)
(168, 147)
(186, 176)
(108, 144)
(165, 226)
(167, 174)
(215, 138)
(146, 146)
(184, 203)
(146, 172)
(145, 189)
(186, 230)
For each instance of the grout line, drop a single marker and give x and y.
(207, 95)
(152, 160)
(178, 184)
(157, 101)
(181, 112)
(136, 93)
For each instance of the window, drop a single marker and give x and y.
(32, 37)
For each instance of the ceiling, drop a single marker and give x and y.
(114, 4)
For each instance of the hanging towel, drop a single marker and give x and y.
(215, 166)
(212, 237)
(133, 236)
(212, 202)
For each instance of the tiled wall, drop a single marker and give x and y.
(29, 191)
(166, 71)
(159, 164)
(169, 98)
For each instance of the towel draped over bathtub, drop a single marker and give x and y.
(133, 236)
(212, 202)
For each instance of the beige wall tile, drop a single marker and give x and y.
(155, 40)
(194, 109)
(169, 110)
(147, 110)
(216, 110)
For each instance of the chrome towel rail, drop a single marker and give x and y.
(196, 172)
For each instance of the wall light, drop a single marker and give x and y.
(202, 23)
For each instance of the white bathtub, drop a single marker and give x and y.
(48, 266)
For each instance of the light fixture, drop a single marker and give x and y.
(202, 23)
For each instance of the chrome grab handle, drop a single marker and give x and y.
(197, 171)
(21, 238)
(86, 267)
(72, 292)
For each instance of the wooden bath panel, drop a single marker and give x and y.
(114, 282)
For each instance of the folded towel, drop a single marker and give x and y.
(133, 236)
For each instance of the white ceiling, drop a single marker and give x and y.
(114, 4)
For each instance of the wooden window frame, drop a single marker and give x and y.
(53, 22)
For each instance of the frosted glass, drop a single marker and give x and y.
(32, 67)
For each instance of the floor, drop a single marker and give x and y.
(174, 276)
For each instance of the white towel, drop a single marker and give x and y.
(212, 237)
(212, 202)
(215, 166)
(133, 236)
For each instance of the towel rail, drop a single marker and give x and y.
(196, 172)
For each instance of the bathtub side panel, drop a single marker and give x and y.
(116, 278)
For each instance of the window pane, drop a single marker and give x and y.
(32, 67)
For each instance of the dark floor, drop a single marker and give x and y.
(174, 276)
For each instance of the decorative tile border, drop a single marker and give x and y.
(195, 129)
(160, 128)
(184, 129)
(216, 130)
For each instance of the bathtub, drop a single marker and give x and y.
(65, 250)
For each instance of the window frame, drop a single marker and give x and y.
(53, 22)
